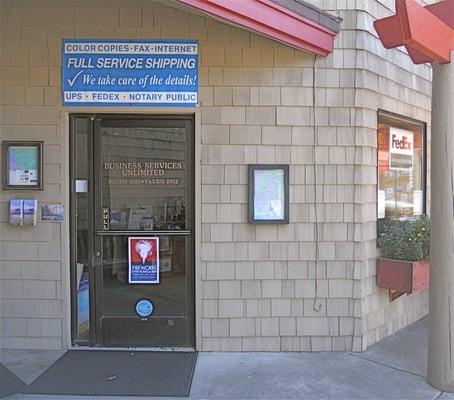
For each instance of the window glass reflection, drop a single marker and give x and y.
(169, 296)
(144, 178)
(400, 168)
(81, 204)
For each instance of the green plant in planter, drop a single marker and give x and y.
(407, 240)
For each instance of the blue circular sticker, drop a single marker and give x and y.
(144, 308)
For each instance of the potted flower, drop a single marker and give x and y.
(405, 245)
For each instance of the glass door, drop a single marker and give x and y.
(143, 232)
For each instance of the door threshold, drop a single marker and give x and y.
(163, 349)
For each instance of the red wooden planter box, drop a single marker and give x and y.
(404, 276)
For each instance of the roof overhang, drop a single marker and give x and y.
(272, 20)
(426, 32)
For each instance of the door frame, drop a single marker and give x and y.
(93, 214)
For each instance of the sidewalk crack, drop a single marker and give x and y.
(387, 365)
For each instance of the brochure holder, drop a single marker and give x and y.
(23, 212)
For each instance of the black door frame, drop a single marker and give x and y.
(94, 217)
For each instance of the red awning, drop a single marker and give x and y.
(272, 20)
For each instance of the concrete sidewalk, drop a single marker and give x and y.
(392, 369)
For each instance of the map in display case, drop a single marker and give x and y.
(268, 193)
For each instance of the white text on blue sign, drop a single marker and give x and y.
(120, 72)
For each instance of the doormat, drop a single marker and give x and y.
(118, 373)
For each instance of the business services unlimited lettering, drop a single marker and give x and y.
(160, 172)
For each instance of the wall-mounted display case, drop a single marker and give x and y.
(268, 194)
(22, 165)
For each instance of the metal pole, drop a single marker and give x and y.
(441, 304)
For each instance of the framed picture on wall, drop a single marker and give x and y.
(268, 194)
(22, 165)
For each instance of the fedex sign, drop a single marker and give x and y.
(402, 144)
(400, 149)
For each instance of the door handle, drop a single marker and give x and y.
(97, 253)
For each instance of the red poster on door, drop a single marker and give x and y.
(143, 259)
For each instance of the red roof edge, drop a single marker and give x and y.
(272, 20)
(426, 32)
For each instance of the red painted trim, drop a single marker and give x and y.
(272, 20)
(426, 32)
(443, 10)
(417, 57)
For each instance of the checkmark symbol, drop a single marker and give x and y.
(72, 81)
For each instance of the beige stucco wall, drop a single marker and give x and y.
(308, 285)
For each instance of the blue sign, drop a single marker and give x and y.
(122, 72)
(143, 273)
(83, 304)
(144, 308)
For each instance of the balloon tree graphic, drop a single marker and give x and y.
(144, 249)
